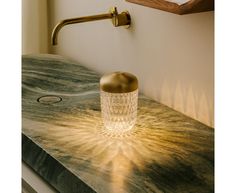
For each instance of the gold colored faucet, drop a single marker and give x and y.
(122, 19)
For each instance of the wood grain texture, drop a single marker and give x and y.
(67, 144)
(193, 6)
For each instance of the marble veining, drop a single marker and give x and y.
(166, 151)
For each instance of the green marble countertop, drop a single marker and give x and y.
(64, 140)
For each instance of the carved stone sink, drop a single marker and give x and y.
(65, 143)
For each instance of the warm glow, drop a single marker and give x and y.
(119, 110)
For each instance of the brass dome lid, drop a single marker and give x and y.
(118, 82)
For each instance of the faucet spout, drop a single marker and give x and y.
(74, 21)
(122, 19)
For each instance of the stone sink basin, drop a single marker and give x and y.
(64, 141)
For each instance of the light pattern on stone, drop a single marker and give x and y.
(165, 151)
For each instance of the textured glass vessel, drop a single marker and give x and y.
(119, 101)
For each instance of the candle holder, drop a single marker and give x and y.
(119, 101)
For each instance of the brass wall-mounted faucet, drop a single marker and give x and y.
(122, 19)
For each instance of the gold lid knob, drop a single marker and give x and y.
(118, 82)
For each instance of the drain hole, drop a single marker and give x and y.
(49, 99)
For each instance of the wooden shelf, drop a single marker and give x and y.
(192, 6)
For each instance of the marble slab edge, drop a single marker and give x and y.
(50, 169)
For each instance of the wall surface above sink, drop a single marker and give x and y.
(171, 55)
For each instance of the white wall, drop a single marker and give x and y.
(34, 26)
(171, 55)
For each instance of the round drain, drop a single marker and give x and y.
(49, 99)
